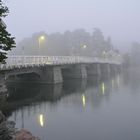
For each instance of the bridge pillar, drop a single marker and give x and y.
(119, 68)
(94, 70)
(77, 71)
(105, 70)
(51, 74)
(115, 69)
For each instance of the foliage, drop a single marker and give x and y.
(6, 41)
(67, 43)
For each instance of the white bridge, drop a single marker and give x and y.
(31, 61)
(54, 69)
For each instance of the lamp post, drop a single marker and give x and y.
(83, 48)
(40, 39)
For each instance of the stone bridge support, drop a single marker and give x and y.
(75, 72)
(115, 69)
(119, 68)
(56, 73)
(94, 70)
(105, 70)
(50, 74)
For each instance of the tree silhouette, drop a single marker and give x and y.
(6, 41)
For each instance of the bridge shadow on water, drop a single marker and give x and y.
(21, 95)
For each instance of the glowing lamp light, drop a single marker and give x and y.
(103, 88)
(41, 120)
(84, 100)
(42, 37)
(85, 46)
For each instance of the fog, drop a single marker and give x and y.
(70, 69)
(116, 18)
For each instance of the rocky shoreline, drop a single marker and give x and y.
(9, 132)
(7, 128)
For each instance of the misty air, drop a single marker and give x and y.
(69, 70)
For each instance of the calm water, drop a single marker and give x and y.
(78, 110)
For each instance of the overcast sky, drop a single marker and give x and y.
(117, 18)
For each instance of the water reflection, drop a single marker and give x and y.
(41, 120)
(103, 88)
(34, 95)
(20, 95)
(44, 108)
(84, 100)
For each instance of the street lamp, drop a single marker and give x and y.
(84, 46)
(40, 39)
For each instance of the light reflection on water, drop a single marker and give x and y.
(78, 110)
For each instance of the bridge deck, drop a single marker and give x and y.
(31, 61)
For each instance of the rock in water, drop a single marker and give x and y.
(24, 135)
(7, 128)
(8, 132)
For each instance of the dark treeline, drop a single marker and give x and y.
(77, 42)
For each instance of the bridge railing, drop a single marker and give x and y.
(25, 61)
